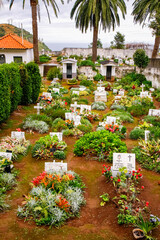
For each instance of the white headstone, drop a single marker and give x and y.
(118, 97)
(55, 90)
(47, 94)
(82, 88)
(100, 96)
(75, 92)
(38, 107)
(58, 134)
(100, 89)
(142, 86)
(18, 135)
(147, 132)
(110, 120)
(123, 160)
(115, 91)
(68, 116)
(152, 89)
(154, 112)
(77, 120)
(121, 93)
(55, 166)
(6, 155)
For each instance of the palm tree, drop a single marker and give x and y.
(96, 13)
(34, 7)
(143, 9)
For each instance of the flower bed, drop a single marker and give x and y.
(49, 147)
(39, 126)
(16, 146)
(101, 144)
(114, 128)
(54, 198)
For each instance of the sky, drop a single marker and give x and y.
(62, 31)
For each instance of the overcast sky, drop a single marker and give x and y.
(62, 29)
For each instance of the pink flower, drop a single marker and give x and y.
(18, 129)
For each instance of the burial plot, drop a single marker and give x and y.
(123, 160)
(58, 134)
(55, 90)
(75, 106)
(115, 91)
(55, 166)
(38, 107)
(87, 108)
(69, 116)
(121, 93)
(111, 120)
(82, 88)
(6, 155)
(18, 135)
(154, 112)
(100, 96)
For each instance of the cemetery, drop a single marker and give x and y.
(82, 159)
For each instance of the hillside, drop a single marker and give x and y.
(8, 28)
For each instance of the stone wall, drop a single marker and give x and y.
(152, 72)
(128, 53)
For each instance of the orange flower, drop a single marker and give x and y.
(52, 185)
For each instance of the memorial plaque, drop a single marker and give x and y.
(154, 112)
(55, 166)
(18, 135)
(111, 120)
(6, 155)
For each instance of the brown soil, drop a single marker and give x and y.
(95, 222)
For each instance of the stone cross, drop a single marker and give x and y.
(38, 107)
(147, 132)
(75, 106)
(142, 86)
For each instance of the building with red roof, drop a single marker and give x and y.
(15, 49)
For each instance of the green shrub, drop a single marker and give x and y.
(124, 116)
(68, 132)
(26, 85)
(34, 75)
(41, 117)
(86, 83)
(55, 113)
(67, 99)
(13, 74)
(137, 133)
(82, 101)
(98, 77)
(40, 126)
(63, 90)
(54, 73)
(100, 143)
(72, 81)
(99, 106)
(87, 63)
(44, 58)
(85, 126)
(82, 77)
(5, 101)
(58, 125)
(155, 121)
(59, 154)
(155, 132)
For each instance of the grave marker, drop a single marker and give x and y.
(6, 155)
(55, 90)
(147, 132)
(75, 106)
(38, 107)
(18, 135)
(154, 112)
(55, 166)
(58, 134)
(142, 86)
(111, 120)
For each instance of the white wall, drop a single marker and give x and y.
(27, 55)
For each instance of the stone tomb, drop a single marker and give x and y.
(6, 155)
(55, 166)
(18, 135)
(123, 160)
(154, 112)
(58, 134)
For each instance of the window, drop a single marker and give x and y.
(17, 59)
(2, 58)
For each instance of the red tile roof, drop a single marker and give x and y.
(12, 41)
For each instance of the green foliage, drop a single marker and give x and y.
(118, 42)
(58, 125)
(35, 78)
(126, 219)
(87, 63)
(85, 126)
(39, 117)
(55, 113)
(99, 106)
(98, 77)
(155, 121)
(59, 155)
(72, 81)
(82, 77)
(99, 44)
(5, 101)
(26, 85)
(137, 133)
(44, 58)
(53, 73)
(140, 58)
(82, 101)
(68, 132)
(124, 116)
(86, 83)
(98, 143)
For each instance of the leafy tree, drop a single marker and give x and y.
(99, 44)
(140, 58)
(118, 42)
(94, 14)
(143, 9)
(34, 8)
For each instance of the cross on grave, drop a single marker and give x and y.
(38, 107)
(100, 83)
(75, 106)
(142, 86)
(147, 132)
(129, 157)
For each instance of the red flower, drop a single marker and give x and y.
(133, 171)
(147, 204)
(140, 175)
(132, 174)
(126, 208)
(65, 103)
(18, 129)
(119, 180)
(136, 177)
(133, 87)
(111, 177)
(142, 187)
(137, 210)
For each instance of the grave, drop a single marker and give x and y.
(111, 120)
(18, 135)
(123, 160)
(146, 94)
(147, 132)
(75, 106)
(69, 116)
(154, 112)
(55, 90)
(38, 107)
(47, 95)
(100, 95)
(142, 86)
(77, 120)
(87, 108)
(58, 134)
(75, 92)
(55, 166)
(121, 93)
(6, 155)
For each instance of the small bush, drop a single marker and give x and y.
(98, 77)
(41, 117)
(36, 125)
(99, 106)
(87, 63)
(68, 132)
(55, 113)
(54, 73)
(59, 154)
(72, 81)
(137, 133)
(83, 93)
(82, 77)
(82, 101)
(58, 125)
(124, 116)
(86, 83)
(85, 126)
(44, 58)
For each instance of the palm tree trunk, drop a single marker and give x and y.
(156, 47)
(94, 46)
(33, 4)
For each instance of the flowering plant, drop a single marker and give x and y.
(69, 123)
